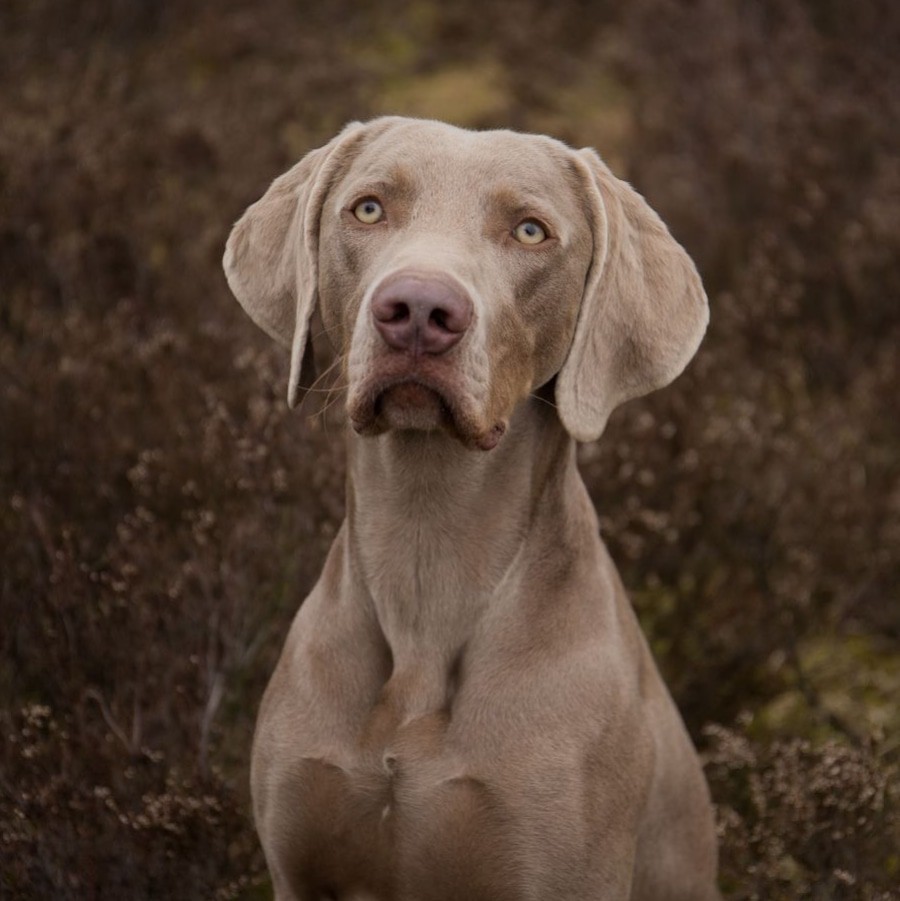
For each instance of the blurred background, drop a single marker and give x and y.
(162, 513)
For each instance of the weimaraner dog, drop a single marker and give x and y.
(465, 708)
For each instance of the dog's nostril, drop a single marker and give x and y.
(397, 311)
(439, 318)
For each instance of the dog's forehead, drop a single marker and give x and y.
(433, 156)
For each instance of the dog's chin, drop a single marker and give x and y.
(411, 406)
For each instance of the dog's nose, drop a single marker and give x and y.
(421, 314)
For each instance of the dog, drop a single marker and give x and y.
(465, 708)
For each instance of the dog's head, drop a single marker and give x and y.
(456, 272)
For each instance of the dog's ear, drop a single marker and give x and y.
(643, 312)
(271, 258)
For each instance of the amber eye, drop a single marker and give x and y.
(369, 211)
(529, 232)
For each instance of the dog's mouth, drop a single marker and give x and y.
(412, 405)
(418, 404)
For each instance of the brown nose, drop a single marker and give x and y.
(421, 314)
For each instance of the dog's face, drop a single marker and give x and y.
(451, 269)
(456, 272)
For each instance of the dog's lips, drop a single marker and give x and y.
(490, 439)
(416, 402)
(412, 405)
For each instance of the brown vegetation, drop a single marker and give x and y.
(162, 514)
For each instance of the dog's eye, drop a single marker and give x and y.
(529, 232)
(369, 211)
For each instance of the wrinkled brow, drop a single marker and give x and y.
(512, 202)
(394, 183)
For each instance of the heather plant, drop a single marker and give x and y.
(780, 516)
(119, 822)
(799, 820)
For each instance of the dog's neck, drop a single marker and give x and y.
(434, 530)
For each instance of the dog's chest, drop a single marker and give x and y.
(401, 818)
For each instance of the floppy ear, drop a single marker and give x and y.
(271, 258)
(643, 313)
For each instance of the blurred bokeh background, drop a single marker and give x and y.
(162, 513)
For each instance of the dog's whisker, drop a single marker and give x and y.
(543, 400)
(328, 370)
(324, 330)
(329, 390)
(331, 401)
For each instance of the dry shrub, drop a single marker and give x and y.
(799, 821)
(112, 823)
(161, 516)
(758, 498)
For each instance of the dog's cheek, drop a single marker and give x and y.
(511, 353)
(339, 278)
(549, 308)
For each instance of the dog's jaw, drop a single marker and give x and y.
(420, 400)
